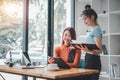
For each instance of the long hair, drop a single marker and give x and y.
(72, 33)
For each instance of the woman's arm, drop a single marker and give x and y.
(98, 41)
(56, 52)
(76, 60)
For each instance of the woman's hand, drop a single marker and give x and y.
(71, 47)
(51, 60)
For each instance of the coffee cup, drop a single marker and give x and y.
(10, 64)
(52, 67)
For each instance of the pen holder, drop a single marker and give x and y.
(10, 64)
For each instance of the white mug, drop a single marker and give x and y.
(52, 66)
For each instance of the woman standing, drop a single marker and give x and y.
(92, 57)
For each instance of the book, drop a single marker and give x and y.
(112, 70)
(115, 70)
(88, 45)
(105, 52)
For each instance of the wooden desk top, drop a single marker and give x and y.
(47, 74)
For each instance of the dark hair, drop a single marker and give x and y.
(72, 33)
(89, 12)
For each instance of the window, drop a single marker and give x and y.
(63, 16)
(11, 30)
(11, 26)
(59, 19)
(38, 30)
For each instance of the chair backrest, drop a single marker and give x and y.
(82, 63)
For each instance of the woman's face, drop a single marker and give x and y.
(87, 20)
(67, 37)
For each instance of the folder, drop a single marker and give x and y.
(88, 45)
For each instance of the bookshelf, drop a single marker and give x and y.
(109, 19)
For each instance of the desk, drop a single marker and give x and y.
(47, 74)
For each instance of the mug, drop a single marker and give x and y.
(10, 64)
(52, 67)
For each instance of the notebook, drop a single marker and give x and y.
(32, 67)
(89, 46)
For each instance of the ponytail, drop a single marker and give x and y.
(89, 12)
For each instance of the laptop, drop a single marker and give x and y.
(28, 64)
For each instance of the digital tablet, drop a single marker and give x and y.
(61, 64)
(89, 46)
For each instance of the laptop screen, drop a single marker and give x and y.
(26, 59)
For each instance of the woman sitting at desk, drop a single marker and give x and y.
(70, 56)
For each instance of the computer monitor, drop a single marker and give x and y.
(26, 59)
